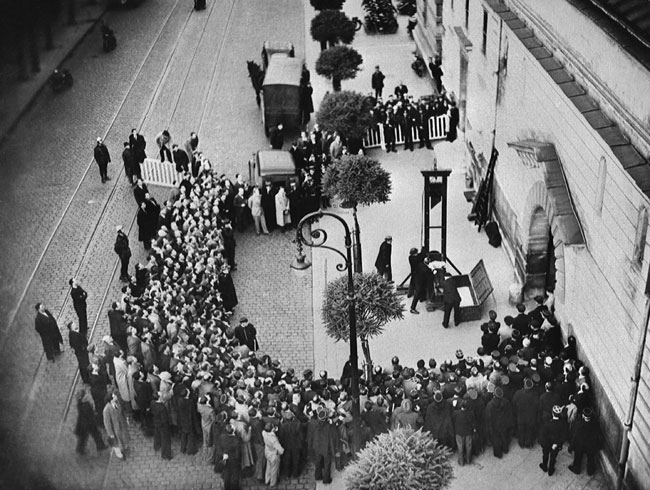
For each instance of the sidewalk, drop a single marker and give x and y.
(18, 95)
(422, 336)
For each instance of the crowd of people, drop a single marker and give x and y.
(175, 365)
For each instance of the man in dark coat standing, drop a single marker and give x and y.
(118, 324)
(420, 278)
(48, 329)
(181, 159)
(464, 427)
(499, 421)
(321, 443)
(277, 137)
(454, 120)
(79, 297)
(378, 82)
(138, 145)
(229, 458)
(162, 438)
(103, 158)
(451, 301)
(79, 345)
(246, 333)
(526, 404)
(86, 424)
(129, 162)
(268, 205)
(383, 259)
(551, 438)
(123, 251)
(585, 439)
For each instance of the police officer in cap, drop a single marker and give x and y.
(551, 437)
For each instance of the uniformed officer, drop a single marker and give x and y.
(551, 437)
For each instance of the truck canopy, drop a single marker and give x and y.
(283, 71)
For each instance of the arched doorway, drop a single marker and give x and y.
(540, 260)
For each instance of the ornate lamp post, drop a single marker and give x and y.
(316, 237)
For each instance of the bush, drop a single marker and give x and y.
(332, 26)
(346, 112)
(339, 63)
(402, 459)
(327, 4)
(357, 179)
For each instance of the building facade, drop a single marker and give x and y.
(559, 88)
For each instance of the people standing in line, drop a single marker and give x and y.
(451, 301)
(128, 158)
(378, 82)
(282, 209)
(86, 424)
(123, 251)
(116, 426)
(273, 450)
(79, 345)
(383, 262)
(79, 297)
(48, 329)
(257, 211)
(246, 333)
(103, 158)
(162, 437)
(551, 437)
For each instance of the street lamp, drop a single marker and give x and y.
(316, 238)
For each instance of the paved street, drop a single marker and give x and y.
(186, 71)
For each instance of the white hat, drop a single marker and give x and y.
(118, 228)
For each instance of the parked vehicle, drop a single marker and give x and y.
(380, 17)
(282, 92)
(275, 166)
(60, 80)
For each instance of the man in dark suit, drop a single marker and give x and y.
(181, 159)
(383, 259)
(451, 301)
(48, 329)
(117, 323)
(79, 345)
(246, 333)
(378, 82)
(103, 158)
(138, 145)
(129, 162)
(277, 137)
(79, 296)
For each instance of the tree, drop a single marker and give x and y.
(357, 179)
(327, 4)
(402, 459)
(376, 304)
(332, 26)
(339, 63)
(347, 113)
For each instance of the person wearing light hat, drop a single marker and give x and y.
(551, 437)
(383, 262)
(526, 405)
(499, 422)
(585, 440)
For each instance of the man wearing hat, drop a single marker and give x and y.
(499, 422)
(103, 158)
(464, 427)
(79, 295)
(451, 301)
(246, 333)
(551, 437)
(585, 440)
(321, 444)
(123, 251)
(526, 404)
(161, 426)
(437, 421)
(383, 259)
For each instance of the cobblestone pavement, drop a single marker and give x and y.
(161, 83)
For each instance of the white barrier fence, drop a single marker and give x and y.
(438, 128)
(160, 173)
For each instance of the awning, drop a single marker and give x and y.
(543, 155)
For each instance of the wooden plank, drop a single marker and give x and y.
(481, 282)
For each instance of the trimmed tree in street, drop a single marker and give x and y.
(339, 63)
(376, 304)
(357, 180)
(327, 4)
(402, 459)
(331, 27)
(347, 113)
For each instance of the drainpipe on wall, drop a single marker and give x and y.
(634, 391)
(498, 74)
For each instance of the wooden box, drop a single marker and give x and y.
(474, 288)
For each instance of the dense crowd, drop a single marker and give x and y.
(175, 365)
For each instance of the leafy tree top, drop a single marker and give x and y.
(327, 4)
(339, 63)
(376, 303)
(358, 179)
(346, 112)
(332, 26)
(402, 459)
